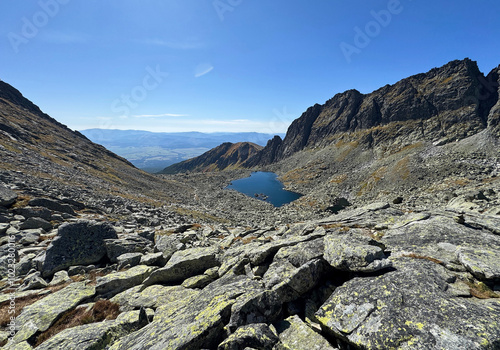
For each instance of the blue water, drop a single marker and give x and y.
(264, 186)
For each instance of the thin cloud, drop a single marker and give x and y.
(203, 69)
(161, 115)
(184, 45)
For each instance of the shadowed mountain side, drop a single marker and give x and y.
(226, 156)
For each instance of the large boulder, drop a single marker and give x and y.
(297, 335)
(80, 243)
(38, 317)
(354, 252)
(410, 308)
(119, 281)
(7, 196)
(185, 264)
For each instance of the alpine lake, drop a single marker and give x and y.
(264, 186)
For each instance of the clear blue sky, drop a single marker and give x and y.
(232, 65)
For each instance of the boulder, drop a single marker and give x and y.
(30, 236)
(130, 259)
(118, 282)
(34, 223)
(60, 278)
(35, 212)
(156, 295)
(194, 322)
(80, 243)
(153, 259)
(38, 317)
(409, 308)
(129, 244)
(7, 196)
(297, 335)
(97, 335)
(184, 264)
(256, 335)
(484, 264)
(52, 205)
(354, 252)
(34, 281)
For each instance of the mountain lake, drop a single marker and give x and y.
(264, 186)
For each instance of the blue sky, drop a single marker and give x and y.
(226, 65)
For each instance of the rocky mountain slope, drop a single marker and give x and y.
(95, 254)
(226, 156)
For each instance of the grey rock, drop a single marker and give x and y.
(131, 259)
(120, 281)
(25, 264)
(356, 253)
(30, 236)
(97, 335)
(52, 205)
(297, 335)
(156, 295)
(153, 259)
(37, 212)
(34, 281)
(194, 322)
(255, 307)
(396, 310)
(484, 264)
(60, 277)
(185, 264)
(80, 243)
(38, 317)
(128, 244)
(34, 223)
(3, 228)
(7, 196)
(256, 335)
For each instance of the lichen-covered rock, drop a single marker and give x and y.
(256, 335)
(128, 244)
(199, 281)
(120, 281)
(255, 307)
(295, 334)
(39, 316)
(483, 263)
(302, 253)
(60, 278)
(156, 295)
(184, 264)
(410, 308)
(33, 281)
(356, 253)
(195, 322)
(80, 243)
(96, 335)
(153, 259)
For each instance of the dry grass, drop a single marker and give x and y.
(338, 179)
(21, 303)
(418, 256)
(102, 310)
(22, 201)
(481, 290)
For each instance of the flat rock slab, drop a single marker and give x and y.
(156, 295)
(410, 308)
(80, 243)
(120, 281)
(184, 264)
(96, 335)
(297, 335)
(52, 205)
(39, 316)
(484, 264)
(355, 253)
(195, 322)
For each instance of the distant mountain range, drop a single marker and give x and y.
(152, 151)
